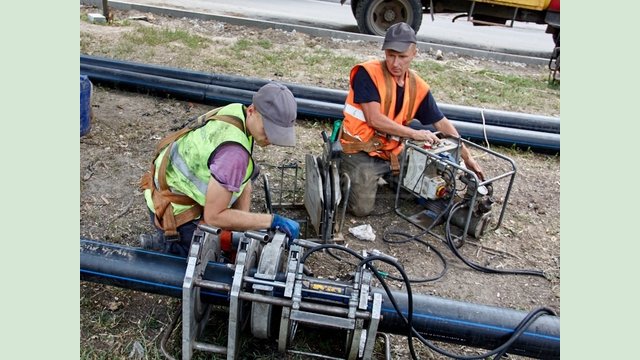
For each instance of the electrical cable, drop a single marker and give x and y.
(409, 237)
(473, 265)
(484, 128)
(168, 331)
(405, 278)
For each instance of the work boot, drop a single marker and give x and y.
(153, 241)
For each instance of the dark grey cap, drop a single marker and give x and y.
(278, 108)
(399, 37)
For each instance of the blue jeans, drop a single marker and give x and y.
(179, 247)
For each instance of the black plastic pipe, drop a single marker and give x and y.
(214, 94)
(508, 119)
(453, 112)
(196, 92)
(231, 81)
(436, 318)
(504, 136)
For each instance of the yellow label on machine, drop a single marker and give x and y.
(326, 288)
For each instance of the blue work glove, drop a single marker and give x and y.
(287, 226)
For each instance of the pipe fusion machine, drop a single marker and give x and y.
(272, 296)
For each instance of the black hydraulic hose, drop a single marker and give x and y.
(435, 318)
(218, 95)
(473, 265)
(169, 330)
(453, 112)
(408, 238)
(409, 318)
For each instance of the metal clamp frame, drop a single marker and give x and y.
(270, 264)
(205, 247)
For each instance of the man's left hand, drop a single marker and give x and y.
(475, 167)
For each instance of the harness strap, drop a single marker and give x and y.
(388, 84)
(354, 144)
(395, 163)
(374, 144)
(162, 196)
(412, 96)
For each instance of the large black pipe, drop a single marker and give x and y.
(453, 112)
(215, 94)
(197, 92)
(436, 318)
(504, 136)
(231, 81)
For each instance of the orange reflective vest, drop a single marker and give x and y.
(357, 135)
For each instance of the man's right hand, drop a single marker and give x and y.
(427, 136)
(287, 226)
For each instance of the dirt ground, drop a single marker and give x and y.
(125, 128)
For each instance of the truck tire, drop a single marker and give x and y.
(375, 16)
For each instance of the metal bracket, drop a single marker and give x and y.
(270, 264)
(245, 260)
(373, 326)
(205, 247)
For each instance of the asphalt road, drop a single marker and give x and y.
(523, 39)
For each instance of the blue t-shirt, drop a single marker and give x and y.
(365, 91)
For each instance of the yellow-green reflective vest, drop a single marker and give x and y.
(188, 170)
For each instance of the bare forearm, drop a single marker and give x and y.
(238, 220)
(382, 123)
(446, 127)
(388, 126)
(217, 213)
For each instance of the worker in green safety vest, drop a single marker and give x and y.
(203, 172)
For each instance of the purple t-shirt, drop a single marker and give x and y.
(229, 165)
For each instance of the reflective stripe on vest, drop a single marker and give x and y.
(179, 164)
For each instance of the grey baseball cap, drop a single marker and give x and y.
(399, 37)
(278, 108)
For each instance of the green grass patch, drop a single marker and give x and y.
(244, 44)
(485, 88)
(266, 60)
(158, 37)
